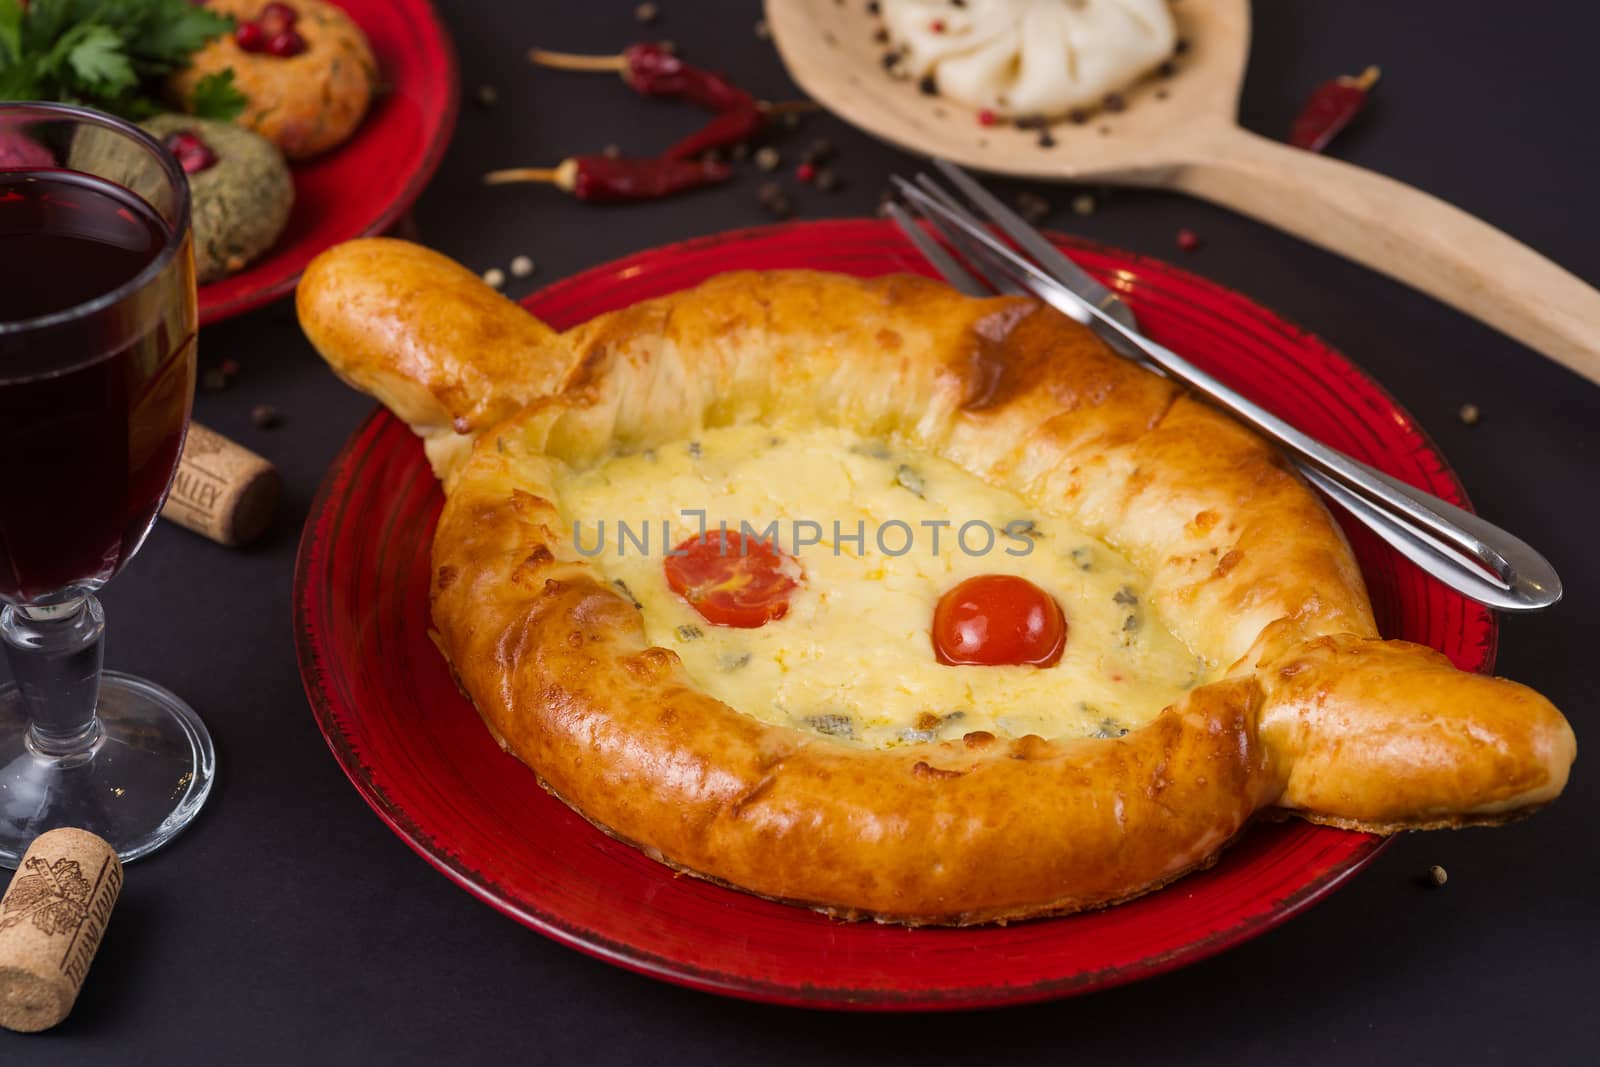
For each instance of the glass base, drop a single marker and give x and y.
(140, 781)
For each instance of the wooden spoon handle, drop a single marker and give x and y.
(1408, 235)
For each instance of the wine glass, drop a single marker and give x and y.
(97, 368)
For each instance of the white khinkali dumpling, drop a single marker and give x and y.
(1030, 57)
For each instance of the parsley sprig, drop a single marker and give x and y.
(110, 54)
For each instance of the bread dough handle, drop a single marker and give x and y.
(1388, 735)
(426, 337)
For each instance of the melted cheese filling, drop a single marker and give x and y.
(853, 658)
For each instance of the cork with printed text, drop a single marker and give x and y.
(222, 490)
(52, 918)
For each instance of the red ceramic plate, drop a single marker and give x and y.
(362, 186)
(418, 753)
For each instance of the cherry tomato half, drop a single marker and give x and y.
(998, 619)
(733, 580)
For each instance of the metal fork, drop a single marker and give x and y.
(1460, 549)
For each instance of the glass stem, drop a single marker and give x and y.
(55, 654)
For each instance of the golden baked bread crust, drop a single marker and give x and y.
(1316, 714)
(305, 104)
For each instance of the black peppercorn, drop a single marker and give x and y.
(1032, 207)
(777, 203)
(820, 151)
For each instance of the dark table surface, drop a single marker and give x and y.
(289, 925)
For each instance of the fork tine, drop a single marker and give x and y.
(1051, 258)
(943, 262)
(968, 234)
(1081, 286)
(988, 256)
(938, 192)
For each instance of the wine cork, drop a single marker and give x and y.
(222, 490)
(51, 921)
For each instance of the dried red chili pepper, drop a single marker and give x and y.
(603, 180)
(1330, 110)
(654, 71)
(728, 128)
(651, 70)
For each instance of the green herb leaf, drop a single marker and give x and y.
(18, 82)
(98, 61)
(216, 97)
(10, 35)
(907, 478)
(43, 22)
(109, 54)
(173, 30)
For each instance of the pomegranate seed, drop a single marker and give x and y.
(278, 17)
(1188, 240)
(806, 171)
(987, 118)
(192, 154)
(286, 44)
(250, 37)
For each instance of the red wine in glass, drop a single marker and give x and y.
(89, 446)
(97, 356)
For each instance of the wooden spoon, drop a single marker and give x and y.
(1181, 133)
